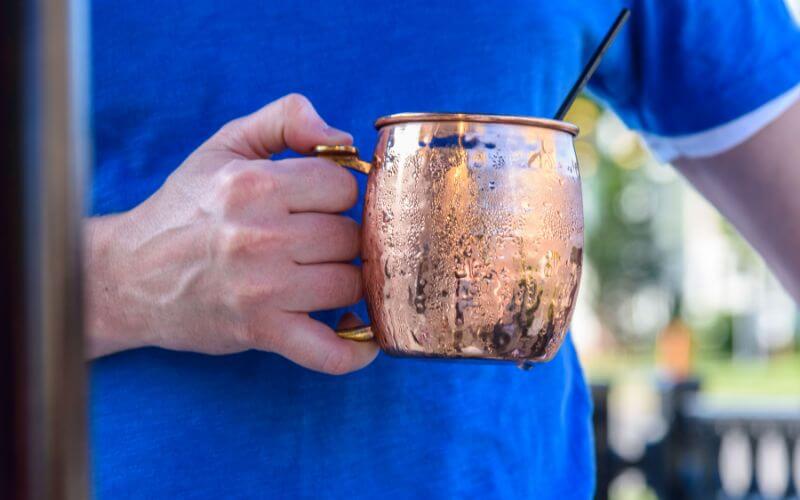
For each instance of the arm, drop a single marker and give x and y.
(756, 185)
(234, 250)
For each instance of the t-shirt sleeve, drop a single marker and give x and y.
(698, 77)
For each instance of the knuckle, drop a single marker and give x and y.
(265, 183)
(241, 182)
(233, 241)
(245, 297)
(295, 103)
(230, 168)
(231, 179)
(239, 241)
(243, 175)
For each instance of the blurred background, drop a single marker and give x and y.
(690, 343)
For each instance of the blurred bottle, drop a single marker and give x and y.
(674, 348)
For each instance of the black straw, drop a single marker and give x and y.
(594, 62)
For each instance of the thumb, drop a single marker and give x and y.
(290, 122)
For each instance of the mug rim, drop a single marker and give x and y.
(477, 118)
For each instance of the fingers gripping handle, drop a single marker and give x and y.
(347, 156)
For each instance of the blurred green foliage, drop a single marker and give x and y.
(621, 203)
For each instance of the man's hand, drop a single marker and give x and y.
(235, 249)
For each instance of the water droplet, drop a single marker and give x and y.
(525, 365)
(419, 303)
(386, 269)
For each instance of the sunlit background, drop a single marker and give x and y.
(657, 252)
(671, 291)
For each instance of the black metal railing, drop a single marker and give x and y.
(685, 462)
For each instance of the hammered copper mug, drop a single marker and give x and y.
(472, 237)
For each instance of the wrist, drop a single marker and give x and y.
(110, 323)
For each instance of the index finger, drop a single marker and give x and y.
(314, 185)
(290, 122)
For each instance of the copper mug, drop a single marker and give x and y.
(472, 237)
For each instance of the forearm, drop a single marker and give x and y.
(757, 187)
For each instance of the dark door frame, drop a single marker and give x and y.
(44, 139)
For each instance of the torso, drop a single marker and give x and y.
(166, 75)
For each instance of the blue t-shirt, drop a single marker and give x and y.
(166, 75)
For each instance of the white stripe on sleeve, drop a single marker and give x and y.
(723, 137)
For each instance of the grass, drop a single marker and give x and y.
(778, 376)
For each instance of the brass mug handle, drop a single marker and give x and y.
(347, 156)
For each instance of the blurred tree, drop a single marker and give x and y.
(621, 204)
